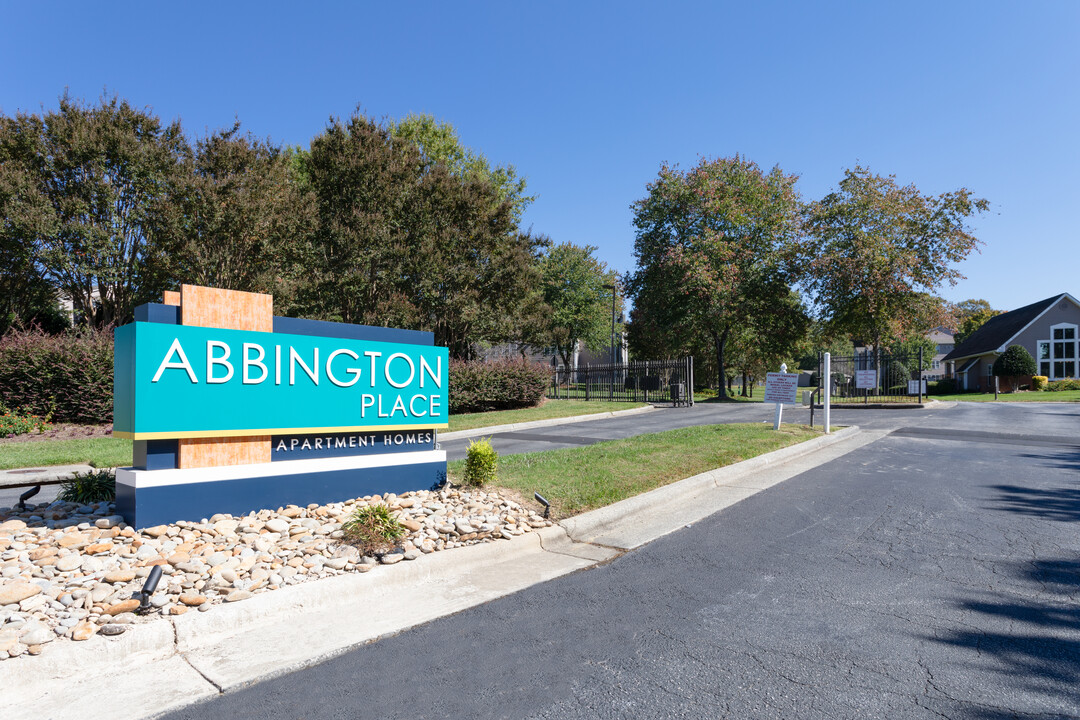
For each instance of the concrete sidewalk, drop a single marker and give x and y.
(166, 664)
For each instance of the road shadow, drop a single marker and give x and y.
(1065, 460)
(1060, 503)
(1033, 644)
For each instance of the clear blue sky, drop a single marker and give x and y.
(588, 99)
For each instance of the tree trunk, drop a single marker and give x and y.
(743, 393)
(721, 342)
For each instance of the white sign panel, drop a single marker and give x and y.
(781, 388)
(913, 387)
(865, 379)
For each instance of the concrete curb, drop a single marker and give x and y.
(491, 430)
(27, 477)
(166, 665)
(597, 525)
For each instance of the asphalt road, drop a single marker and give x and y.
(934, 573)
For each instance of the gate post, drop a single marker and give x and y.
(587, 383)
(645, 381)
(920, 376)
(826, 405)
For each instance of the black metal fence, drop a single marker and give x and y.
(641, 381)
(870, 378)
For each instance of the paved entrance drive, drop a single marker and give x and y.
(926, 575)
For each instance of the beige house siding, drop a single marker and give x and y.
(1063, 311)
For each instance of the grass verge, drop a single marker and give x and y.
(550, 409)
(99, 452)
(111, 452)
(579, 479)
(1042, 396)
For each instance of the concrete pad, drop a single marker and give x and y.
(130, 676)
(276, 633)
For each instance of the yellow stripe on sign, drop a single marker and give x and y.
(269, 431)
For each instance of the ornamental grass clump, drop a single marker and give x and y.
(481, 463)
(91, 487)
(373, 529)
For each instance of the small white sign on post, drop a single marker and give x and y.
(865, 379)
(913, 387)
(780, 388)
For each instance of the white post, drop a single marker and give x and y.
(779, 406)
(828, 389)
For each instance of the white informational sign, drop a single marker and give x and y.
(913, 387)
(781, 388)
(865, 379)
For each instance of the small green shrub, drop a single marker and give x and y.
(92, 487)
(14, 422)
(944, 386)
(373, 529)
(1014, 363)
(1059, 385)
(481, 463)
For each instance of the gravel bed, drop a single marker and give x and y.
(69, 571)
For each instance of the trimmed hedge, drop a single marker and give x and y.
(501, 385)
(63, 378)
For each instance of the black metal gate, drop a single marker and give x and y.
(874, 378)
(639, 381)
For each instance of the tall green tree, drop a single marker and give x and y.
(714, 248)
(90, 197)
(878, 251)
(402, 241)
(247, 223)
(970, 315)
(438, 143)
(573, 283)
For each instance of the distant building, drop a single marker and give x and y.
(943, 338)
(1047, 329)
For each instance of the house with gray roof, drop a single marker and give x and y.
(1048, 329)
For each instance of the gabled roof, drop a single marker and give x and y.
(1000, 329)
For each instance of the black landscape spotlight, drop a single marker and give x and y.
(27, 495)
(148, 589)
(540, 499)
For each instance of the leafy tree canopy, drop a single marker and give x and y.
(573, 287)
(86, 194)
(713, 248)
(878, 251)
(970, 315)
(439, 143)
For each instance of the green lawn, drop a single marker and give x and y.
(550, 409)
(710, 397)
(1060, 396)
(112, 452)
(579, 479)
(99, 452)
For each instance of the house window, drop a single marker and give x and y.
(1058, 356)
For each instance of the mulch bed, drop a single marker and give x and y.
(62, 431)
